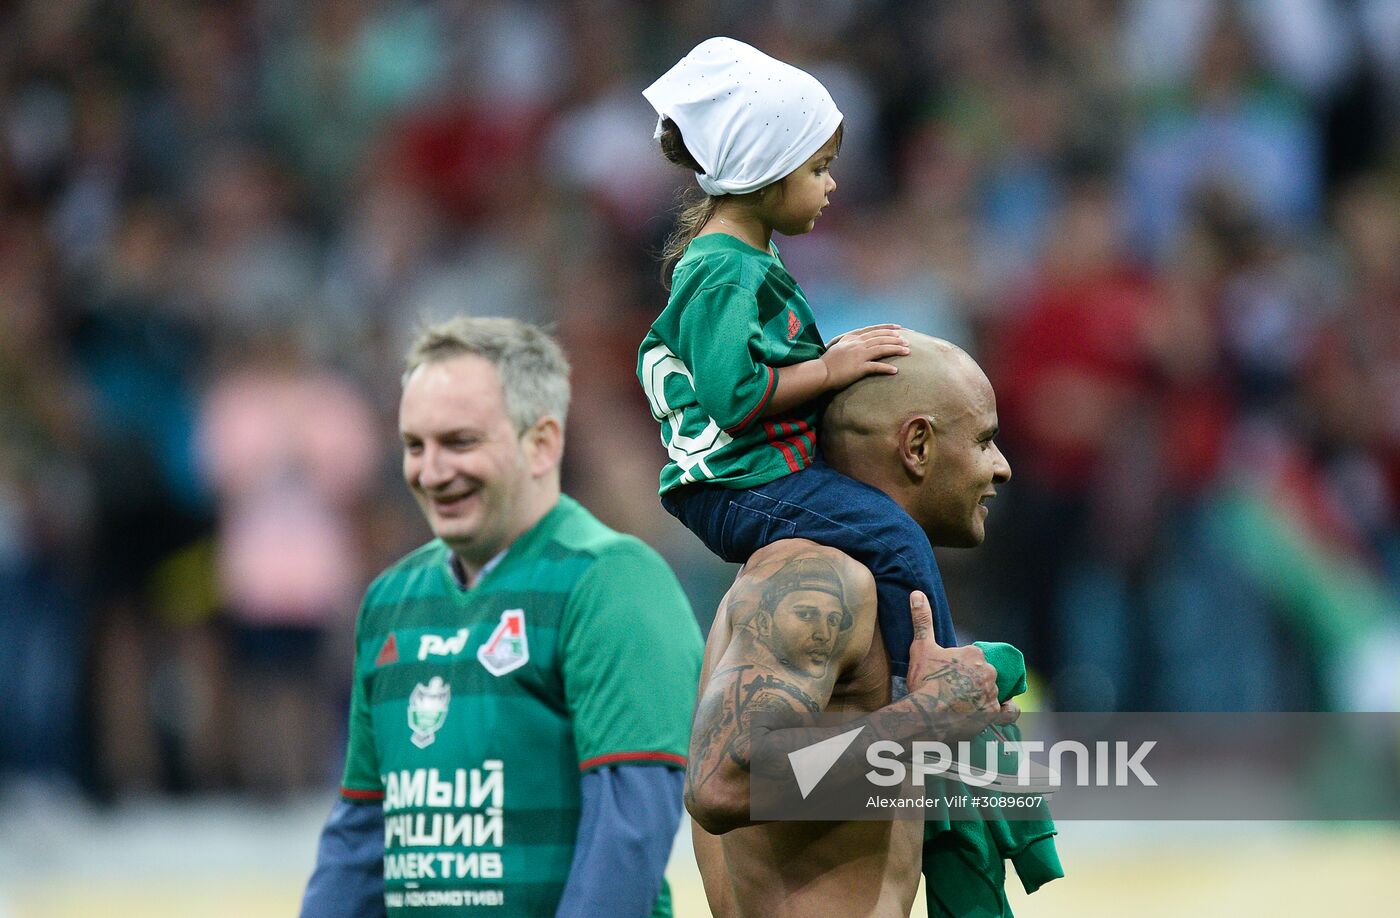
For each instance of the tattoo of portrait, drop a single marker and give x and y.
(801, 615)
(790, 619)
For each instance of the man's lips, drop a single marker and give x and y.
(449, 502)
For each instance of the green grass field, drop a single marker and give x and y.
(230, 859)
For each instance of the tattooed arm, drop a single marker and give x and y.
(799, 617)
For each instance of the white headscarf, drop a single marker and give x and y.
(748, 119)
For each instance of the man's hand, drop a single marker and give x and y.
(959, 681)
(856, 354)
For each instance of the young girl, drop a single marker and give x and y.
(734, 367)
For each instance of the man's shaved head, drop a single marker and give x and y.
(903, 432)
(931, 381)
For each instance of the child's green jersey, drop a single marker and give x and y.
(707, 366)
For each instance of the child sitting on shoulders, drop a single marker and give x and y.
(734, 367)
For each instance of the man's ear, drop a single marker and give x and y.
(543, 445)
(916, 446)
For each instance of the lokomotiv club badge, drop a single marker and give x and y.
(507, 648)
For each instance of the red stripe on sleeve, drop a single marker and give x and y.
(800, 442)
(350, 793)
(762, 403)
(619, 757)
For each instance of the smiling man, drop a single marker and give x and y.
(523, 682)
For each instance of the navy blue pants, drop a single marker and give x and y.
(825, 506)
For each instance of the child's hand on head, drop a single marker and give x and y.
(856, 354)
(861, 331)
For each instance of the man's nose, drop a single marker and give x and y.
(1001, 470)
(436, 469)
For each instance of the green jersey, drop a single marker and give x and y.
(474, 711)
(708, 367)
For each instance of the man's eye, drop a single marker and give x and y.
(413, 449)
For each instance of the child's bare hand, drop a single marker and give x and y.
(856, 354)
(861, 331)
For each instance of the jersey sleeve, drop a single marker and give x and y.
(631, 653)
(349, 874)
(719, 337)
(361, 782)
(627, 824)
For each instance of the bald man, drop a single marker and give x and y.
(798, 633)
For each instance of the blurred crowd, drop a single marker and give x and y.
(1169, 230)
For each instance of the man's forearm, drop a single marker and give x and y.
(947, 703)
(917, 716)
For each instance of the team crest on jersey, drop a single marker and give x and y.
(506, 650)
(427, 710)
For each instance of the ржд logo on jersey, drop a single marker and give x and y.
(427, 710)
(441, 646)
(506, 650)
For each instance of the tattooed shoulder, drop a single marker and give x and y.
(797, 615)
(798, 602)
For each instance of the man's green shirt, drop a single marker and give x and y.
(708, 367)
(475, 711)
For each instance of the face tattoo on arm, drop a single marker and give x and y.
(792, 624)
